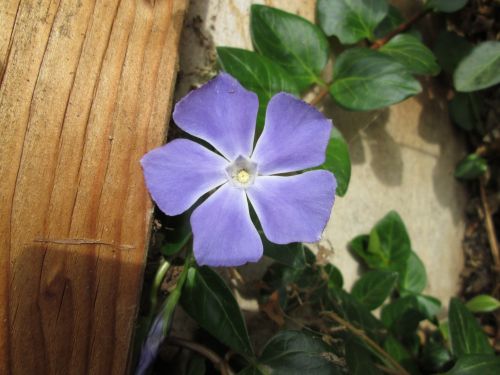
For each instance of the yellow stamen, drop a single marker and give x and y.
(243, 176)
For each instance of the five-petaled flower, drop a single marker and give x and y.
(290, 208)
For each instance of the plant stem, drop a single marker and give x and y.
(372, 344)
(158, 280)
(490, 228)
(213, 357)
(400, 29)
(323, 91)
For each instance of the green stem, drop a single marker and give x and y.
(175, 295)
(155, 288)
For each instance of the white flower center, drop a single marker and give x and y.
(241, 172)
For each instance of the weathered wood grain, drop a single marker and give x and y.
(85, 91)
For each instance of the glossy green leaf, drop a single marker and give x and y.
(476, 364)
(479, 69)
(299, 353)
(473, 166)
(397, 351)
(350, 20)
(482, 304)
(402, 316)
(412, 53)
(450, 49)
(291, 255)
(291, 41)
(465, 110)
(373, 288)
(429, 306)
(209, 301)
(466, 335)
(256, 73)
(365, 79)
(413, 277)
(392, 20)
(446, 6)
(338, 161)
(389, 239)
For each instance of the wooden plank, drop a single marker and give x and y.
(85, 91)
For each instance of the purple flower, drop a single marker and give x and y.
(292, 208)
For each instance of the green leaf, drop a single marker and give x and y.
(412, 53)
(253, 370)
(413, 278)
(447, 6)
(358, 358)
(397, 351)
(179, 234)
(209, 301)
(334, 276)
(299, 353)
(466, 335)
(390, 240)
(450, 49)
(402, 316)
(479, 69)
(350, 20)
(482, 304)
(476, 364)
(338, 161)
(465, 110)
(196, 365)
(359, 246)
(291, 41)
(473, 166)
(429, 306)
(435, 357)
(365, 79)
(373, 288)
(291, 255)
(393, 19)
(256, 73)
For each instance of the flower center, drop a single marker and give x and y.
(241, 172)
(243, 176)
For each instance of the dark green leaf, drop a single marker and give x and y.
(413, 278)
(359, 359)
(466, 335)
(256, 73)
(196, 365)
(178, 235)
(291, 255)
(359, 246)
(397, 351)
(483, 303)
(450, 49)
(402, 316)
(209, 301)
(412, 53)
(465, 110)
(390, 240)
(447, 6)
(299, 353)
(476, 364)
(334, 276)
(435, 357)
(350, 20)
(429, 306)
(473, 166)
(338, 161)
(291, 41)
(479, 69)
(253, 370)
(373, 288)
(390, 22)
(365, 79)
